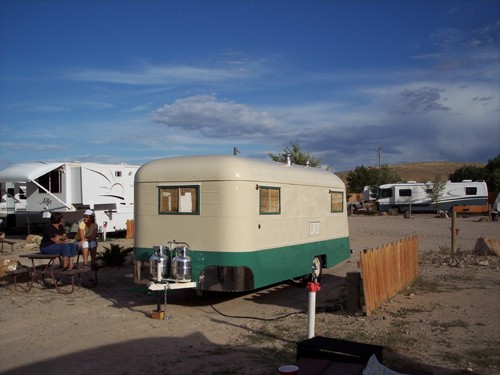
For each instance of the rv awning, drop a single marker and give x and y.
(26, 171)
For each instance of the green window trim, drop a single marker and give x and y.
(179, 200)
(269, 200)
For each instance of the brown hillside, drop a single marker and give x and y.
(422, 172)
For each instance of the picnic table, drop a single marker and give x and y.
(46, 270)
(8, 242)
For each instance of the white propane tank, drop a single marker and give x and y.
(181, 264)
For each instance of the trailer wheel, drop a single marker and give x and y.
(394, 211)
(317, 269)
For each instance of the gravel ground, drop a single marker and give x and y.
(446, 323)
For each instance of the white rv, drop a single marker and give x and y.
(13, 198)
(70, 188)
(399, 197)
(368, 194)
(243, 223)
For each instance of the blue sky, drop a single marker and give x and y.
(131, 81)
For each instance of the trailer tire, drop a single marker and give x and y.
(394, 211)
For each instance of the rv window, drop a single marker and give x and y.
(337, 201)
(405, 193)
(470, 191)
(50, 181)
(179, 199)
(385, 193)
(22, 194)
(270, 202)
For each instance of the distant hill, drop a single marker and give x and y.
(422, 172)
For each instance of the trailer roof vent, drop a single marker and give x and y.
(288, 158)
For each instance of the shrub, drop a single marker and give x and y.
(114, 255)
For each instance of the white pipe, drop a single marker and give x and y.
(311, 317)
(312, 288)
(158, 268)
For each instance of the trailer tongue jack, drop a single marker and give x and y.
(158, 313)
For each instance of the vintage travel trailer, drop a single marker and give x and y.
(70, 188)
(226, 223)
(398, 197)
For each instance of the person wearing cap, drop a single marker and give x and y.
(55, 241)
(86, 237)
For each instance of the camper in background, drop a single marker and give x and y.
(13, 198)
(400, 197)
(71, 188)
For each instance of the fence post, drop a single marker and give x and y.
(453, 231)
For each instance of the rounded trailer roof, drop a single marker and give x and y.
(229, 168)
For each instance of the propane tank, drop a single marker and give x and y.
(153, 261)
(158, 263)
(181, 264)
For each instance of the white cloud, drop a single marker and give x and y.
(142, 107)
(169, 74)
(214, 118)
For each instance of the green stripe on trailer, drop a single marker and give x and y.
(269, 266)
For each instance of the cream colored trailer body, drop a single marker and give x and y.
(261, 221)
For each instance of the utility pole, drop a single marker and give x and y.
(379, 155)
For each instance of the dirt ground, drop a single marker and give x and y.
(446, 323)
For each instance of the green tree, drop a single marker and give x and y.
(490, 173)
(363, 176)
(387, 175)
(297, 154)
(492, 177)
(360, 177)
(467, 172)
(435, 191)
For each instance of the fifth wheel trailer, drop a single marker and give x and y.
(226, 223)
(71, 188)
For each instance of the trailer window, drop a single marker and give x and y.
(405, 193)
(337, 201)
(22, 194)
(385, 193)
(470, 191)
(50, 181)
(270, 200)
(179, 200)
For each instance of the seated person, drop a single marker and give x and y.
(86, 238)
(55, 241)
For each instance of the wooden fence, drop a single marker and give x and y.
(388, 269)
